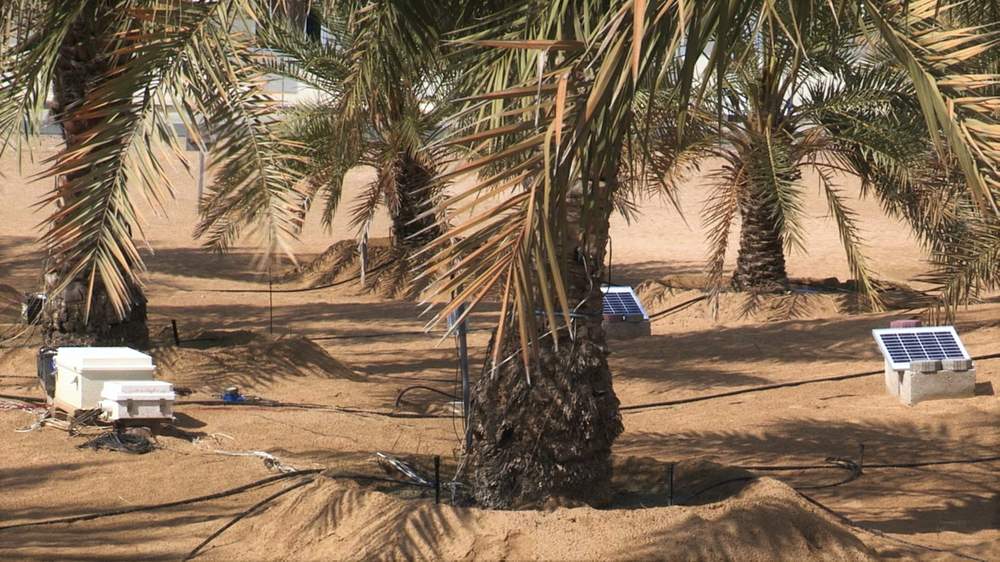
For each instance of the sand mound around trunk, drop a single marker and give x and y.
(336, 519)
(213, 360)
(682, 299)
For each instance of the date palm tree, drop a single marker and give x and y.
(380, 84)
(551, 106)
(118, 70)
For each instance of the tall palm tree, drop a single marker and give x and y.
(552, 104)
(118, 70)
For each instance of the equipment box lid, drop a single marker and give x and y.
(103, 359)
(137, 390)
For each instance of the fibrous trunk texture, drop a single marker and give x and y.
(551, 438)
(760, 265)
(413, 197)
(84, 59)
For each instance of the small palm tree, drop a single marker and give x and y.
(380, 84)
(787, 111)
(118, 70)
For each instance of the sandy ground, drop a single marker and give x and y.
(952, 508)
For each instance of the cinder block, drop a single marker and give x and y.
(918, 387)
(626, 330)
(908, 323)
(892, 377)
(956, 364)
(925, 366)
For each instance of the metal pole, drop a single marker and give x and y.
(437, 479)
(463, 363)
(270, 302)
(201, 174)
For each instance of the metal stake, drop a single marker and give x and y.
(177, 337)
(463, 362)
(670, 484)
(437, 479)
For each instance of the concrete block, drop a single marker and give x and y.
(918, 387)
(956, 364)
(925, 366)
(892, 378)
(626, 330)
(908, 323)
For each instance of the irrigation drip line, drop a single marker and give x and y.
(842, 518)
(763, 387)
(305, 406)
(209, 497)
(140, 508)
(300, 290)
(676, 308)
(28, 399)
(253, 509)
(782, 468)
(848, 521)
(399, 397)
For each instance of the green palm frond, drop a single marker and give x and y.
(29, 46)
(172, 55)
(953, 66)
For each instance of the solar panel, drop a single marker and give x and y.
(621, 301)
(902, 345)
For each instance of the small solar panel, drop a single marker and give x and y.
(620, 300)
(903, 345)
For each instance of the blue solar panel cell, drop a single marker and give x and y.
(621, 301)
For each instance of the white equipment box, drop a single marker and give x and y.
(123, 400)
(82, 371)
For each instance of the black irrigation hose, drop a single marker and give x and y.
(253, 509)
(115, 512)
(399, 396)
(387, 334)
(842, 518)
(305, 406)
(847, 521)
(301, 290)
(764, 387)
(29, 399)
(676, 308)
(782, 468)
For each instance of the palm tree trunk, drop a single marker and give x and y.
(761, 261)
(552, 437)
(413, 178)
(84, 58)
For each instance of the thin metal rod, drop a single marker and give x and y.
(177, 336)
(437, 479)
(270, 302)
(463, 362)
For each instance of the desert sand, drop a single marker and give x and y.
(306, 350)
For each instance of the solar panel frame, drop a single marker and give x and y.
(620, 301)
(900, 346)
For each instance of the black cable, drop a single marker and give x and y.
(123, 511)
(764, 387)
